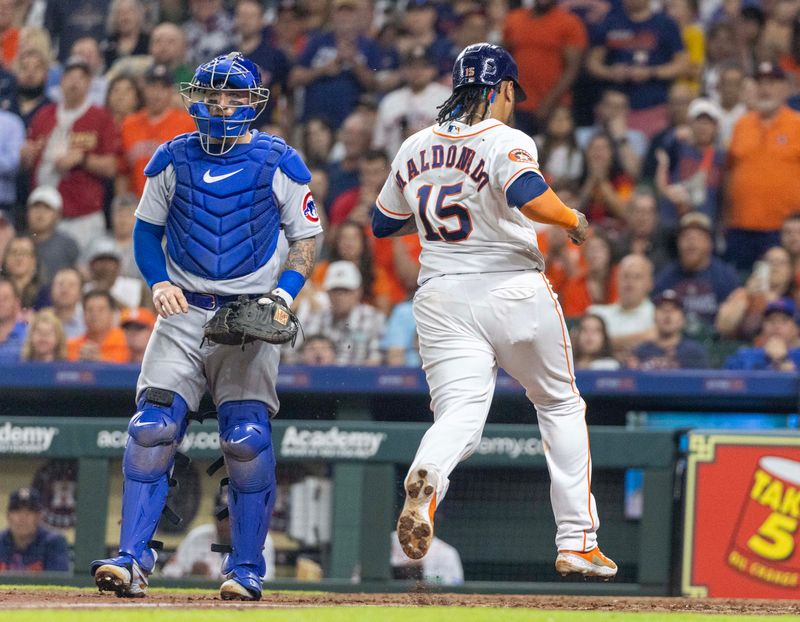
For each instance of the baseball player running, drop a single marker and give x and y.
(471, 187)
(221, 196)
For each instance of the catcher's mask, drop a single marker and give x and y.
(224, 97)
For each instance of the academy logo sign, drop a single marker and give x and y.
(511, 447)
(333, 443)
(26, 439)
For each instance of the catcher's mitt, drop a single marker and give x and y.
(249, 319)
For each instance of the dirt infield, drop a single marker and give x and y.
(19, 598)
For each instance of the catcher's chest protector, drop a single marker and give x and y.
(223, 220)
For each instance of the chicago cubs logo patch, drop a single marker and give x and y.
(310, 209)
(520, 155)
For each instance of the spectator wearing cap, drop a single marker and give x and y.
(669, 349)
(104, 341)
(701, 279)
(780, 336)
(45, 341)
(412, 107)
(630, 320)
(126, 31)
(12, 129)
(143, 131)
(691, 178)
(548, 62)
(763, 168)
(741, 314)
(138, 325)
(65, 297)
(194, 556)
(27, 545)
(355, 327)
(72, 146)
(336, 67)
(12, 329)
(54, 249)
(248, 25)
(640, 52)
(104, 262)
(208, 30)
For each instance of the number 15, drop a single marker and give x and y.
(442, 211)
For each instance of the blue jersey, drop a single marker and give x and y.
(48, 552)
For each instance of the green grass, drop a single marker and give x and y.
(371, 614)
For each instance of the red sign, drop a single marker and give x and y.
(741, 534)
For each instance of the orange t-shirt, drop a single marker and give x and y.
(537, 42)
(764, 166)
(141, 136)
(574, 295)
(9, 43)
(113, 349)
(386, 281)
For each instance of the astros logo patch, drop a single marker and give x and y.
(309, 209)
(519, 155)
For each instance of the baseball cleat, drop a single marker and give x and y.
(589, 564)
(243, 583)
(126, 581)
(415, 524)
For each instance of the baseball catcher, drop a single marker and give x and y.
(230, 202)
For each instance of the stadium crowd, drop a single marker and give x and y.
(673, 127)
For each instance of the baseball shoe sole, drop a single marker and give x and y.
(415, 524)
(123, 582)
(233, 590)
(589, 564)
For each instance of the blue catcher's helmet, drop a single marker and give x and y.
(486, 64)
(240, 79)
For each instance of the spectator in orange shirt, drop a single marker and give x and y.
(104, 341)
(596, 281)
(763, 169)
(138, 325)
(549, 60)
(143, 131)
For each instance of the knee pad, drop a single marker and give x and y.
(246, 441)
(155, 432)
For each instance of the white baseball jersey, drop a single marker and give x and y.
(452, 179)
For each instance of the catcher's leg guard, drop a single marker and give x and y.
(155, 432)
(246, 441)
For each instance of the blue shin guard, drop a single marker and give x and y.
(155, 432)
(246, 440)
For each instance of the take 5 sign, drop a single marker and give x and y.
(742, 532)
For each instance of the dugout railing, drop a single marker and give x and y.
(497, 513)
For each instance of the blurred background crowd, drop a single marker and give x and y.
(672, 124)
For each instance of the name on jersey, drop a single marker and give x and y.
(437, 156)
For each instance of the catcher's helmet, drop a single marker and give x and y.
(231, 73)
(486, 64)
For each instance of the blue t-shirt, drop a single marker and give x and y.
(756, 358)
(334, 97)
(401, 332)
(702, 292)
(652, 42)
(688, 354)
(48, 552)
(12, 346)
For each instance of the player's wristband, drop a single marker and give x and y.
(291, 282)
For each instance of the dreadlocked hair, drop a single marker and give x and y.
(463, 102)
